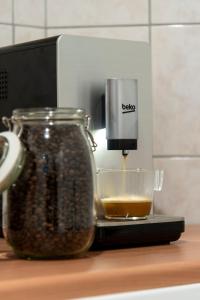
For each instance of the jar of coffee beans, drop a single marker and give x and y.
(47, 174)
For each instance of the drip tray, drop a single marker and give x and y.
(156, 230)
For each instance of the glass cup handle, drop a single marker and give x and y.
(158, 180)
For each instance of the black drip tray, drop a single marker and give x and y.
(156, 230)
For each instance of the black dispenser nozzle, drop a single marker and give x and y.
(125, 153)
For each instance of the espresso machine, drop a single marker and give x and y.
(111, 80)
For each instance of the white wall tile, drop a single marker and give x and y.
(139, 33)
(181, 189)
(25, 34)
(174, 11)
(5, 35)
(29, 12)
(6, 11)
(176, 89)
(95, 12)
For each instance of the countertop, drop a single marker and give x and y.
(102, 272)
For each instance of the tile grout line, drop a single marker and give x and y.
(13, 21)
(6, 23)
(177, 156)
(122, 25)
(97, 26)
(149, 15)
(176, 24)
(23, 25)
(45, 17)
(101, 26)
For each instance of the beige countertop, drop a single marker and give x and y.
(101, 272)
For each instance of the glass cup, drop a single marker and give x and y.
(127, 194)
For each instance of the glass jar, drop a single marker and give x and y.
(48, 208)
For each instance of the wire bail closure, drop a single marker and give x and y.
(9, 122)
(91, 138)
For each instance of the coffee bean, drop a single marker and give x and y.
(50, 206)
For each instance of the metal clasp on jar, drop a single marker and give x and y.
(91, 138)
(9, 122)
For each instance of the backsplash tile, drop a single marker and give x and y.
(140, 33)
(31, 12)
(25, 34)
(175, 11)
(5, 11)
(181, 189)
(5, 35)
(95, 12)
(176, 89)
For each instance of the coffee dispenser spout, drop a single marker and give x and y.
(121, 111)
(125, 153)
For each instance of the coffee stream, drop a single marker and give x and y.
(124, 164)
(126, 205)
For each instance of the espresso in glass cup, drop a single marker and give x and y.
(127, 194)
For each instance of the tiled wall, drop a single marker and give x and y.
(21, 20)
(172, 28)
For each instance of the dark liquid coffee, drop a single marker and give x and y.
(135, 206)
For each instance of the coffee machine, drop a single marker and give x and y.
(111, 80)
(73, 71)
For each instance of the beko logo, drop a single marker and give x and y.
(128, 108)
